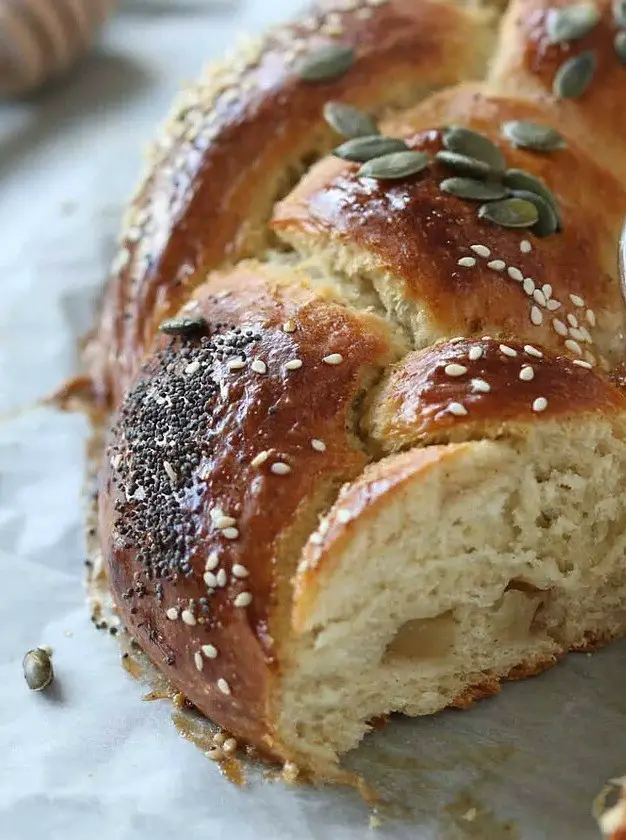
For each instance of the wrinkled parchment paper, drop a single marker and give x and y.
(91, 759)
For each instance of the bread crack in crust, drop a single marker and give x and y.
(367, 453)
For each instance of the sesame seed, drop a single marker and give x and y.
(219, 738)
(514, 273)
(318, 445)
(240, 571)
(532, 351)
(192, 367)
(525, 246)
(212, 561)
(258, 366)
(197, 658)
(210, 579)
(280, 468)
(293, 364)
(539, 296)
(215, 754)
(455, 370)
(260, 458)
(479, 386)
(527, 373)
(333, 359)
(481, 250)
(467, 262)
(529, 285)
(223, 686)
(456, 339)
(230, 533)
(559, 327)
(553, 305)
(497, 265)
(582, 364)
(591, 317)
(236, 364)
(458, 409)
(577, 300)
(222, 522)
(508, 351)
(171, 473)
(590, 358)
(577, 334)
(244, 599)
(289, 326)
(572, 320)
(475, 353)
(584, 334)
(574, 346)
(230, 746)
(172, 613)
(188, 617)
(540, 404)
(343, 516)
(221, 578)
(547, 290)
(210, 651)
(536, 316)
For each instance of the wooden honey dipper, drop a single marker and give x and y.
(40, 39)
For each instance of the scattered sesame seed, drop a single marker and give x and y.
(553, 305)
(475, 353)
(514, 273)
(192, 367)
(456, 339)
(574, 346)
(289, 326)
(172, 613)
(240, 571)
(529, 285)
(536, 315)
(591, 317)
(188, 617)
(223, 686)
(508, 351)
(584, 334)
(219, 738)
(259, 366)
(212, 561)
(215, 754)
(481, 250)
(280, 468)
(221, 578)
(539, 296)
(457, 408)
(260, 458)
(527, 373)
(497, 265)
(230, 746)
(590, 358)
(197, 658)
(582, 364)
(525, 246)
(577, 300)
(210, 579)
(293, 364)
(572, 320)
(318, 445)
(540, 404)
(479, 386)
(230, 533)
(333, 359)
(171, 473)
(532, 351)
(547, 290)
(455, 369)
(222, 522)
(343, 516)
(210, 651)
(559, 327)
(244, 599)
(467, 262)
(236, 364)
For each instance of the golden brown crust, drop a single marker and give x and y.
(236, 140)
(159, 511)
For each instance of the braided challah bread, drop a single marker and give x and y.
(362, 349)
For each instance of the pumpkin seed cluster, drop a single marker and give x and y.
(510, 198)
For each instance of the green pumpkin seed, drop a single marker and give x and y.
(327, 63)
(361, 149)
(185, 326)
(348, 120)
(395, 165)
(518, 179)
(463, 165)
(37, 668)
(510, 213)
(620, 46)
(572, 22)
(463, 141)
(575, 75)
(547, 223)
(619, 13)
(529, 135)
(473, 190)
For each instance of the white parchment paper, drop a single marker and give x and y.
(90, 759)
